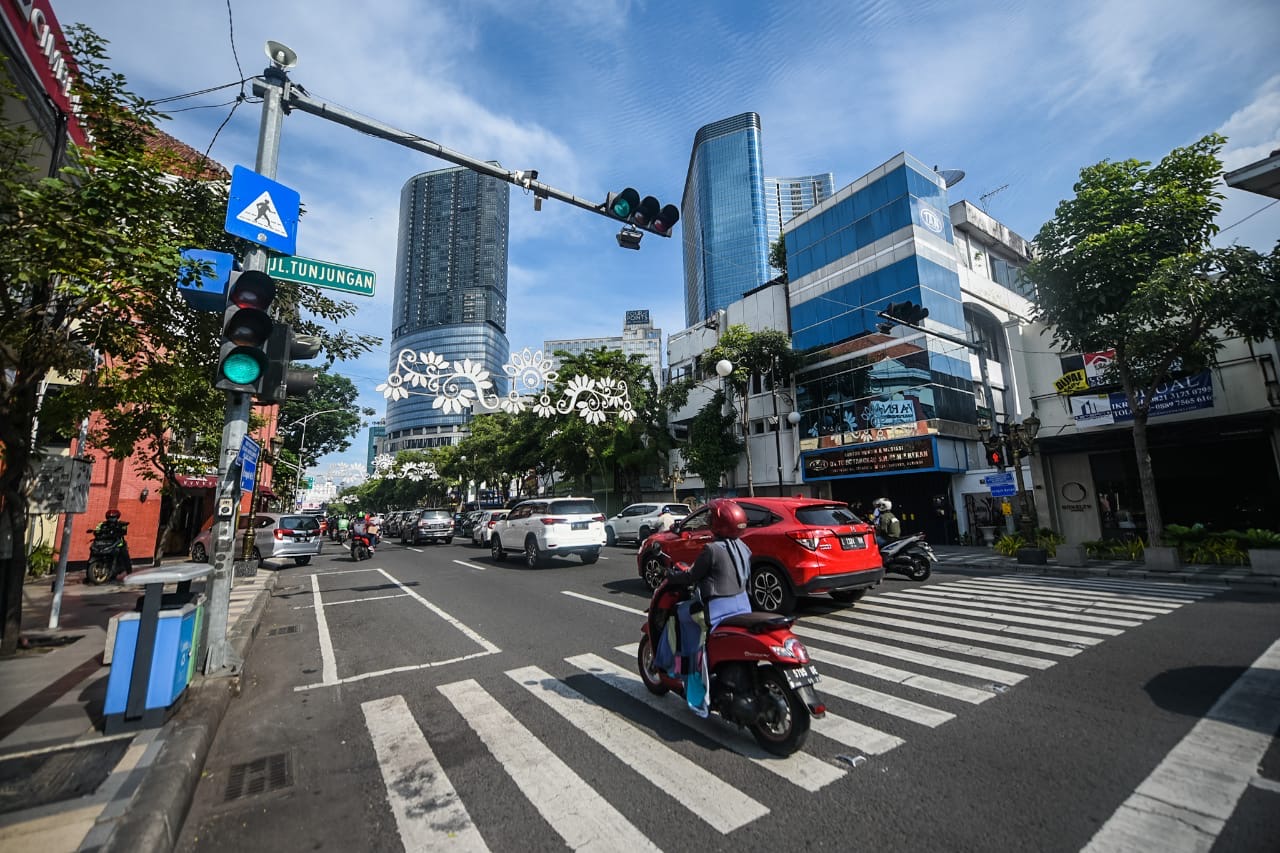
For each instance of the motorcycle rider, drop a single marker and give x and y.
(111, 530)
(723, 568)
(888, 528)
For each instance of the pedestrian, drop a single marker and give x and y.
(665, 520)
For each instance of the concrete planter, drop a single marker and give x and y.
(1033, 556)
(245, 568)
(1072, 555)
(1264, 561)
(1163, 559)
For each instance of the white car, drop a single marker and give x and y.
(547, 527)
(483, 528)
(639, 520)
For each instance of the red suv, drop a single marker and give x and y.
(799, 546)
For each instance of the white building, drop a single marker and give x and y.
(638, 337)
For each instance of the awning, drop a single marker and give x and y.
(265, 492)
(197, 481)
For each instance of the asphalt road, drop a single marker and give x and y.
(438, 699)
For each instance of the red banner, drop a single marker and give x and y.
(36, 30)
(197, 481)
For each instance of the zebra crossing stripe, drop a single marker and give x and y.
(994, 639)
(721, 805)
(800, 768)
(1162, 590)
(871, 669)
(583, 818)
(1112, 602)
(948, 597)
(880, 605)
(1091, 611)
(413, 776)
(935, 643)
(915, 602)
(974, 670)
(1128, 596)
(883, 702)
(869, 740)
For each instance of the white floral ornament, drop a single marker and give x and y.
(465, 385)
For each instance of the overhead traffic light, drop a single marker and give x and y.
(905, 312)
(281, 379)
(648, 213)
(246, 328)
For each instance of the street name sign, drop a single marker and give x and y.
(261, 210)
(321, 274)
(248, 463)
(1003, 491)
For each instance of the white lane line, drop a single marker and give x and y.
(470, 565)
(870, 669)
(799, 768)
(994, 639)
(958, 598)
(1091, 611)
(1066, 594)
(412, 667)
(583, 818)
(429, 814)
(414, 550)
(352, 600)
(718, 803)
(934, 643)
(876, 606)
(1188, 799)
(915, 603)
(883, 702)
(472, 635)
(975, 670)
(328, 664)
(342, 572)
(612, 604)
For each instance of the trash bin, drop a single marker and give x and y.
(154, 650)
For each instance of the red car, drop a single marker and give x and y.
(799, 546)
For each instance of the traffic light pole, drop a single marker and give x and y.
(221, 658)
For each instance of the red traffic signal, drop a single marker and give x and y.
(995, 454)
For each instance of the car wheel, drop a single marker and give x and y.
(644, 534)
(301, 561)
(849, 596)
(610, 538)
(589, 557)
(199, 554)
(495, 549)
(533, 556)
(770, 591)
(257, 555)
(448, 540)
(654, 571)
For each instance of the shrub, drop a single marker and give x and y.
(1009, 544)
(40, 561)
(1049, 540)
(1257, 538)
(1223, 550)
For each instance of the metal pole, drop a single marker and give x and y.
(60, 577)
(236, 422)
(777, 421)
(302, 448)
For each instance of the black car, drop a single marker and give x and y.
(427, 525)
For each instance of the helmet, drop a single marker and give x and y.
(113, 515)
(727, 519)
(883, 504)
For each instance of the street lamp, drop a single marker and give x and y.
(673, 479)
(302, 445)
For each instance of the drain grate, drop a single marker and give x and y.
(287, 629)
(268, 773)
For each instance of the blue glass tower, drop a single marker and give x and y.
(726, 251)
(451, 290)
(787, 198)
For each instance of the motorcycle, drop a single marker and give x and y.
(362, 547)
(108, 554)
(910, 556)
(760, 674)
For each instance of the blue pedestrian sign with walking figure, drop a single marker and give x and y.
(261, 210)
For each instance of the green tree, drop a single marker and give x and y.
(1127, 265)
(332, 419)
(712, 448)
(756, 356)
(778, 257)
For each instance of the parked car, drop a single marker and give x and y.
(799, 546)
(467, 523)
(482, 529)
(637, 521)
(547, 527)
(295, 536)
(431, 524)
(392, 525)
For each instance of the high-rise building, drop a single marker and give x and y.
(451, 292)
(639, 337)
(377, 436)
(787, 198)
(726, 251)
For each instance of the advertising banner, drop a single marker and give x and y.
(1175, 397)
(883, 457)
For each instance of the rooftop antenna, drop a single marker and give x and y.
(982, 199)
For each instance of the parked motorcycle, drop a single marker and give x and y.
(760, 674)
(108, 554)
(910, 556)
(361, 546)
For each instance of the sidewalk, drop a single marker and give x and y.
(979, 557)
(64, 786)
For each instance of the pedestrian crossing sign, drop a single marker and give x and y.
(263, 211)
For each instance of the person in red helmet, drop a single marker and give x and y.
(723, 568)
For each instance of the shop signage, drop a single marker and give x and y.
(879, 458)
(61, 485)
(1174, 397)
(1071, 382)
(36, 30)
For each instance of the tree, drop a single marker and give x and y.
(778, 257)
(1127, 266)
(754, 355)
(712, 449)
(331, 432)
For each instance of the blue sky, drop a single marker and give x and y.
(600, 94)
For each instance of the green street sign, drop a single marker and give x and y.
(321, 274)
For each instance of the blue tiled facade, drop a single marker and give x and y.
(726, 251)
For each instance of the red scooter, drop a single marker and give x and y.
(761, 677)
(362, 546)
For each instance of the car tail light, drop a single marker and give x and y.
(549, 520)
(491, 523)
(280, 533)
(813, 539)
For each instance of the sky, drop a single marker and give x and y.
(601, 94)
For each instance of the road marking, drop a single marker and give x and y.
(329, 665)
(470, 565)
(429, 814)
(476, 638)
(1163, 590)
(799, 768)
(1188, 799)
(415, 550)
(352, 600)
(411, 667)
(933, 643)
(870, 669)
(987, 673)
(718, 803)
(612, 604)
(1067, 595)
(883, 702)
(583, 818)
(879, 605)
(343, 572)
(869, 740)
(1095, 607)
(958, 599)
(917, 626)
(913, 602)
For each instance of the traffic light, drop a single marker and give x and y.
(282, 380)
(906, 312)
(995, 453)
(648, 213)
(246, 328)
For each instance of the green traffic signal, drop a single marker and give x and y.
(623, 204)
(241, 368)
(246, 328)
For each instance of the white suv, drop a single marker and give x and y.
(546, 527)
(639, 520)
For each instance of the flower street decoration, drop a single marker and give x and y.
(463, 385)
(385, 467)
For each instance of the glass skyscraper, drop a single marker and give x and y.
(726, 251)
(787, 198)
(451, 291)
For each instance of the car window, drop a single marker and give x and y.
(579, 507)
(519, 512)
(266, 521)
(436, 514)
(826, 514)
(698, 521)
(757, 516)
(643, 509)
(299, 522)
(676, 509)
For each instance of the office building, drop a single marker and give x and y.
(377, 437)
(787, 198)
(638, 337)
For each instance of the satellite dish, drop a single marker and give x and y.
(281, 55)
(951, 177)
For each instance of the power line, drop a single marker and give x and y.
(1250, 216)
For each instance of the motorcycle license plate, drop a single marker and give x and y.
(801, 676)
(852, 543)
(579, 525)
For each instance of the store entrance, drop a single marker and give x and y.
(921, 501)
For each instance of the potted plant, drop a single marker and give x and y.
(1264, 551)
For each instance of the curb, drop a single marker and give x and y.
(160, 804)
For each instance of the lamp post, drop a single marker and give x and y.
(674, 478)
(302, 445)
(793, 418)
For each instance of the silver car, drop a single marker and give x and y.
(274, 537)
(483, 528)
(637, 521)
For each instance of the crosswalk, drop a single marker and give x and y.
(894, 662)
